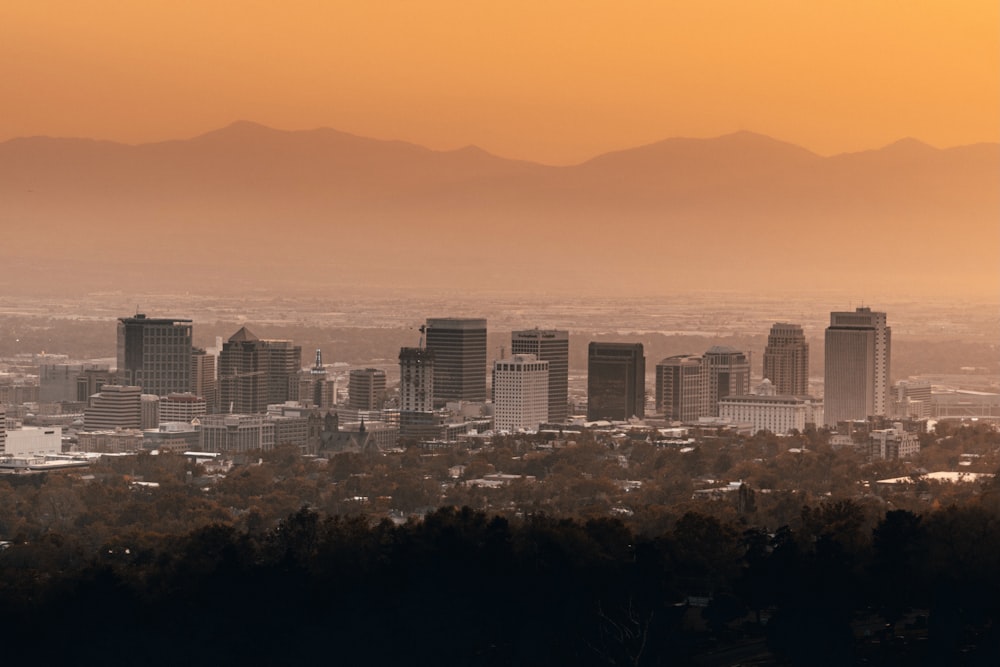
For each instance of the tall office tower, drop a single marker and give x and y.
(520, 393)
(459, 348)
(616, 381)
(728, 375)
(3, 430)
(114, 407)
(416, 379)
(254, 373)
(682, 388)
(549, 345)
(856, 367)
(155, 354)
(366, 389)
(786, 360)
(203, 382)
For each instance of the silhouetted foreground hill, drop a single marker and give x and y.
(737, 210)
(461, 588)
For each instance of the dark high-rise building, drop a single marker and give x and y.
(728, 375)
(366, 389)
(552, 346)
(155, 354)
(616, 381)
(786, 360)
(856, 366)
(254, 373)
(459, 349)
(682, 388)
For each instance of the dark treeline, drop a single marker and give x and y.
(461, 587)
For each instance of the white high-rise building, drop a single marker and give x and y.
(856, 367)
(520, 393)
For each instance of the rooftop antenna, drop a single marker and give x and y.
(423, 330)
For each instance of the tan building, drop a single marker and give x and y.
(786, 359)
(856, 368)
(114, 407)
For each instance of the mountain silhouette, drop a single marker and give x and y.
(249, 203)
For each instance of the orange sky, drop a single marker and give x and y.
(554, 81)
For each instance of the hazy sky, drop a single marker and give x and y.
(555, 81)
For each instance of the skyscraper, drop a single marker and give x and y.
(682, 388)
(254, 373)
(520, 392)
(856, 365)
(786, 359)
(549, 345)
(203, 382)
(366, 389)
(155, 354)
(728, 375)
(459, 349)
(616, 381)
(416, 394)
(416, 380)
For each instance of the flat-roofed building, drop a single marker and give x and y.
(616, 381)
(366, 389)
(114, 407)
(682, 388)
(856, 366)
(236, 433)
(31, 440)
(551, 345)
(459, 349)
(182, 407)
(728, 374)
(767, 410)
(520, 393)
(155, 354)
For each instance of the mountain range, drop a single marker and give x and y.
(247, 206)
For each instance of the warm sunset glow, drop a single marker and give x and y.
(556, 82)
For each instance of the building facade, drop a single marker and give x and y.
(203, 381)
(786, 359)
(551, 345)
(182, 408)
(459, 349)
(366, 389)
(114, 407)
(416, 379)
(254, 373)
(520, 393)
(728, 375)
(236, 433)
(155, 354)
(682, 388)
(767, 410)
(616, 381)
(856, 367)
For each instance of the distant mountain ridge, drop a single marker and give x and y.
(742, 208)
